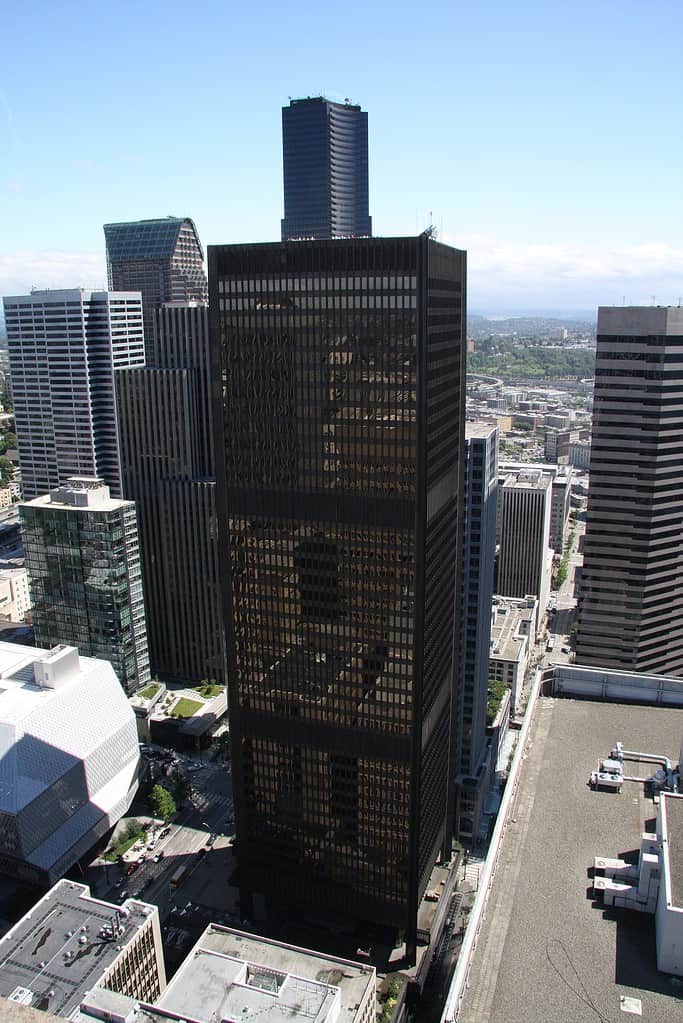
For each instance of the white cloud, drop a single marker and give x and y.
(23, 270)
(570, 275)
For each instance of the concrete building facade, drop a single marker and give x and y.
(524, 559)
(631, 604)
(513, 628)
(83, 563)
(15, 599)
(560, 506)
(65, 348)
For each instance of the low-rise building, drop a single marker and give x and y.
(230, 975)
(513, 629)
(70, 943)
(15, 600)
(69, 763)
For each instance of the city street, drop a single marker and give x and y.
(560, 624)
(210, 812)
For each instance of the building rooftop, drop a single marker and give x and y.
(79, 492)
(546, 953)
(144, 239)
(479, 430)
(673, 806)
(60, 950)
(233, 975)
(527, 479)
(509, 633)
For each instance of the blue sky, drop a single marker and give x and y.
(546, 138)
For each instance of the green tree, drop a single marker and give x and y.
(224, 743)
(162, 803)
(182, 787)
(6, 470)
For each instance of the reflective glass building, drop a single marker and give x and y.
(325, 168)
(83, 563)
(339, 439)
(162, 259)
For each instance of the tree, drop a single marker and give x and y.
(224, 743)
(6, 470)
(162, 803)
(181, 787)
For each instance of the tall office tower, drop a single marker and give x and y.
(524, 559)
(560, 506)
(64, 349)
(83, 565)
(162, 259)
(325, 167)
(168, 467)
(472, 764)
(631, 605)
(340, 504)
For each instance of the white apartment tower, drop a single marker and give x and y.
(64, 348)
(525, 560)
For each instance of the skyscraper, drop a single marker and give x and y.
(524, 562)
(479, 536)
(162, 259)
(83, 565)
(325, 167)
(64, 349)
(340, 469)
(168, 467)
(631, 605)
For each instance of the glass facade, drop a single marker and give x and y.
(162, 259)
(325, 169)
(341, 369)
(86, 586)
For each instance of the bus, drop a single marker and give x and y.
(179, 876)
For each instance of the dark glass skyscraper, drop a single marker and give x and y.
(167, 467)
(325, 167)
(162, 259)
(339, 382)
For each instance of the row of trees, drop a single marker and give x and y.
(502, 358)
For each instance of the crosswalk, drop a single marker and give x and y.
(471, 871)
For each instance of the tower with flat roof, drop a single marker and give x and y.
(65, 348)
(325, 168)
(479, 550)
(83, 564)
(524, 559)
(631, 604)
(168, 467)
(340, 458)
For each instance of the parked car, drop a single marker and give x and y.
(157, 859)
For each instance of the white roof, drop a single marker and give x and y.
(53, 722)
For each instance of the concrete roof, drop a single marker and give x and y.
(32, 954)
(208, 985)
(546, 952)
(674, 849)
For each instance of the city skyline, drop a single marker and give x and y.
(528, 144)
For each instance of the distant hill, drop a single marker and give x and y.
(527, 326)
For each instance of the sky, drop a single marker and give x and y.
(543, 137)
